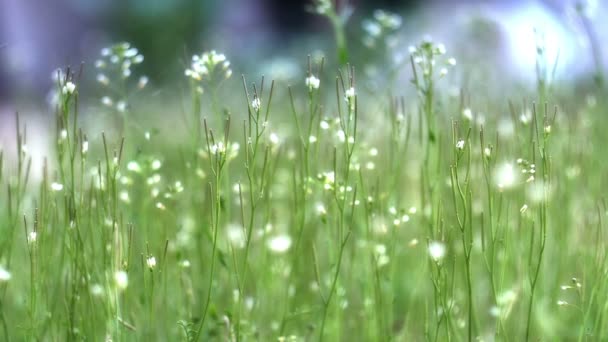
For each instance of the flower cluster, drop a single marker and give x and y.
(312, 82)
(114, 71)
(382, 26)
(208, 66)
(425, 56)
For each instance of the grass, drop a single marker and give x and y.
(316, 211)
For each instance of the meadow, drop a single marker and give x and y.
(331, 208)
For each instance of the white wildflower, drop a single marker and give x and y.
(460, 144)
(32, 237)
(256, 104)
(274, 138)
(5, 275)
(68, 88)
(133, 166)
(151, 262)
(350, 94)
(436, 250)
(124, 196)
(96, 290)
(121, 279)
(107, 101)
(505, 176)
(121, 106)
(103, 79)
(523, 208)
(467, 113)
(156, 164)
(56, 186)
(279, 244)
(143, 81)
(312, 82)
(218, 148)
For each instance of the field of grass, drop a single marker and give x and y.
(320, 210)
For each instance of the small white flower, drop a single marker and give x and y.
(505, 176)
(121, 279)
(372, 28)
(562, 302)
(341, 135)
(443, 72)
(256, 104)
(350, 94)
(124, 196)
(236, 235)
(132, 52)
(460, 144)
(525, 117)
(523, 208)
(121, 106)
(32, 237)
(218, 148)
(5, 275)
(68, 88)
(487, 151)
(56, 186)
(107, 101)
(324, 125)
(380, 249)
(279, 244)
(312, 82)
(312, 139)
(133, 166)
(156, 164)
(441, 49)
(85, 147)
(103, 79)
(274, 138)
(373, 152)
(436, 250)
(143, 81)
(452, 61)
(320, 209)
(151, 262)
(467, 113)
(96, 290)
